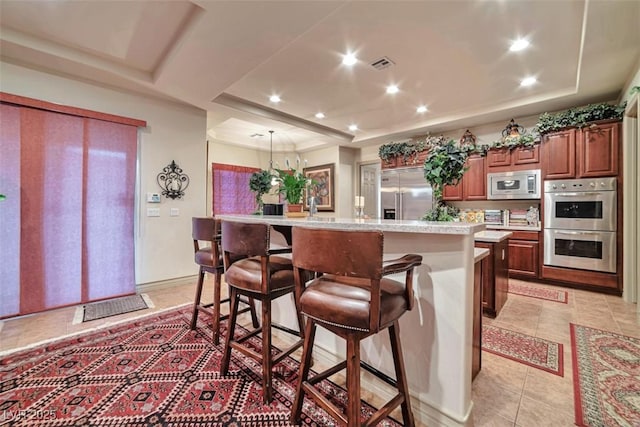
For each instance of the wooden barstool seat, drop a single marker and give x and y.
(353, 299)
(255, 270)
(205, 232)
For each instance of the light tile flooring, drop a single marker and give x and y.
(505, 393)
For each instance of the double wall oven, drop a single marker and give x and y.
(580, 224)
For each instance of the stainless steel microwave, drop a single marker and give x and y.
(514, 185)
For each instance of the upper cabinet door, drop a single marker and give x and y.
(453, 192)
(559, 155)
(526, 155)
(475, 179)
(498, 157)
(598, 150)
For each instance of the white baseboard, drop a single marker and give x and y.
(146, 287)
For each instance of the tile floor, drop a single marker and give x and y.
(505, 393)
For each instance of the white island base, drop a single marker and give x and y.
(436, 335)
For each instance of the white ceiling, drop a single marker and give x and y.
(228, 57)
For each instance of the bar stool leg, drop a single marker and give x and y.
(401, 375)
(353, 381)
(254, 315)
(216, 308)
(266, 350)
(226, 357)
(305, 367)
(196, 300)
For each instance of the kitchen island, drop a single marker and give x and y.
(495, 272)
(436, 335)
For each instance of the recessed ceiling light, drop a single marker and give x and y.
(349, 59)
(319, 115)
(274, 98)
(528, 81)
(392, 89)
(519, 45)
(353, 128)
(421, 109)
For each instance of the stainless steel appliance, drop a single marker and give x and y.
(404, 194)
(580, 223)
(514, 185)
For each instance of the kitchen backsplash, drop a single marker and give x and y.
(514, 217)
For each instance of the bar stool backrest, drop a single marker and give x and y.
(206, 229)
(244, 240)
(339, 252)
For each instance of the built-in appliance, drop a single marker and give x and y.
(514, 185)
(580, 223)
(405, 194)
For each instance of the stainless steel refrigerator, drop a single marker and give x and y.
(404, 194)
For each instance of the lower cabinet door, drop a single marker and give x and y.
(523, 259)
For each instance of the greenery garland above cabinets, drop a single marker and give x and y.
(399, 149)
(578, 116)
(408, 152)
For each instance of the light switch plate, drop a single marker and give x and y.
(174, 212)
(153, 211)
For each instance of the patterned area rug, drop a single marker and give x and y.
(112, 307)
(606, 377)
(537, 292)
(153, 371)
(532, 351)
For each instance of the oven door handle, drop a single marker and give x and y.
(586, 193)
(588, 233)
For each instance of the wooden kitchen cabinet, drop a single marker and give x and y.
(520, 158)
(495, 276)
(589, 152)
(598, 150)
(524, 255)
(453, 192)
(473, 185)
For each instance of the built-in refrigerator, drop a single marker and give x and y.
(404, 194)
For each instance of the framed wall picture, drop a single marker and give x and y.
(321, 187)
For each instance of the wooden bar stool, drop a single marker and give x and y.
(206, 244)
(352, 299)
(256, 271)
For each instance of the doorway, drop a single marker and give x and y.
(370, 188)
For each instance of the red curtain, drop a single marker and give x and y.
(231, 194)
(67, 220)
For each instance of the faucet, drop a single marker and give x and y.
(313, 207)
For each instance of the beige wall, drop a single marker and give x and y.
(164, 249)
(633, 81)
(221, 152)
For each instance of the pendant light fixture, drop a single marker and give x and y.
(274, 181)
(270, 150)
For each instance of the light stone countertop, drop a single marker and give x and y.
(479, 254)
(389, 225)
(492, 236)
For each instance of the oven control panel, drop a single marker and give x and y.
(580, 185)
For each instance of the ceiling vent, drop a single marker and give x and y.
(382, 63)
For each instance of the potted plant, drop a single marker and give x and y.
(292, 183)
(445, 165)
(260, 183)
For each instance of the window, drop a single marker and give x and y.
(231, 194)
